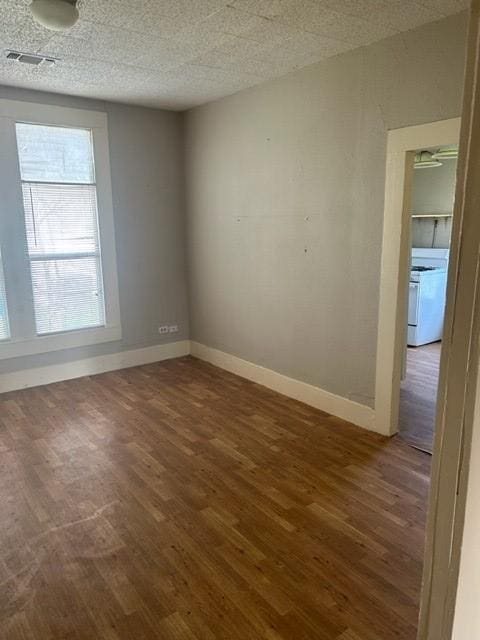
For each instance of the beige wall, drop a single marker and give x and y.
(467, 609)
(285, 204)
(146, 158)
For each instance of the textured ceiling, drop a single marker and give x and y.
(181, 53)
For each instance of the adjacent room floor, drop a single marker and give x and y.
(418, 396)
(178, 501)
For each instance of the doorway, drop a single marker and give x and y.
(402, 148)
(432, 200)
(399, 235)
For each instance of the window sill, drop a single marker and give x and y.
(59, 341)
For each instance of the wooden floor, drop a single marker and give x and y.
(418, 396)
(179, 502)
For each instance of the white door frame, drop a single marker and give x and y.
(458, 396)
(401, 146)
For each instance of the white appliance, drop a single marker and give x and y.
(426, 299)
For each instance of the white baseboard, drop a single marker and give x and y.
(349, 410)
(90, 366)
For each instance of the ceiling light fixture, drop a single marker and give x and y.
(446, 153)
(425, 160)
(57, 15)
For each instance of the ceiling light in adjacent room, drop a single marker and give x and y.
(446, 153)
(425, 160)
(57, 15)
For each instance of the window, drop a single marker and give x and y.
(60, 205)
(60, 245)
(4, 331)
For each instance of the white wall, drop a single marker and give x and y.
(146, 156)
(285, 205)
(434, 188)
(433, 192)
(426, 234)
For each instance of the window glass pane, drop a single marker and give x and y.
(61, 225)
(54, 154)
(4, 331)
(67, 294)
(60, 218)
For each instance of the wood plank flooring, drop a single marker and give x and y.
(177, 501)
(418, 396)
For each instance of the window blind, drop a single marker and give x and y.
(61, 223)
(4, 330)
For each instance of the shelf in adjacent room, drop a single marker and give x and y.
(432, 215)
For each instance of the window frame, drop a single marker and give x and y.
(23, 340)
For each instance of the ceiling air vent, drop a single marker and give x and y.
(31, 58)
